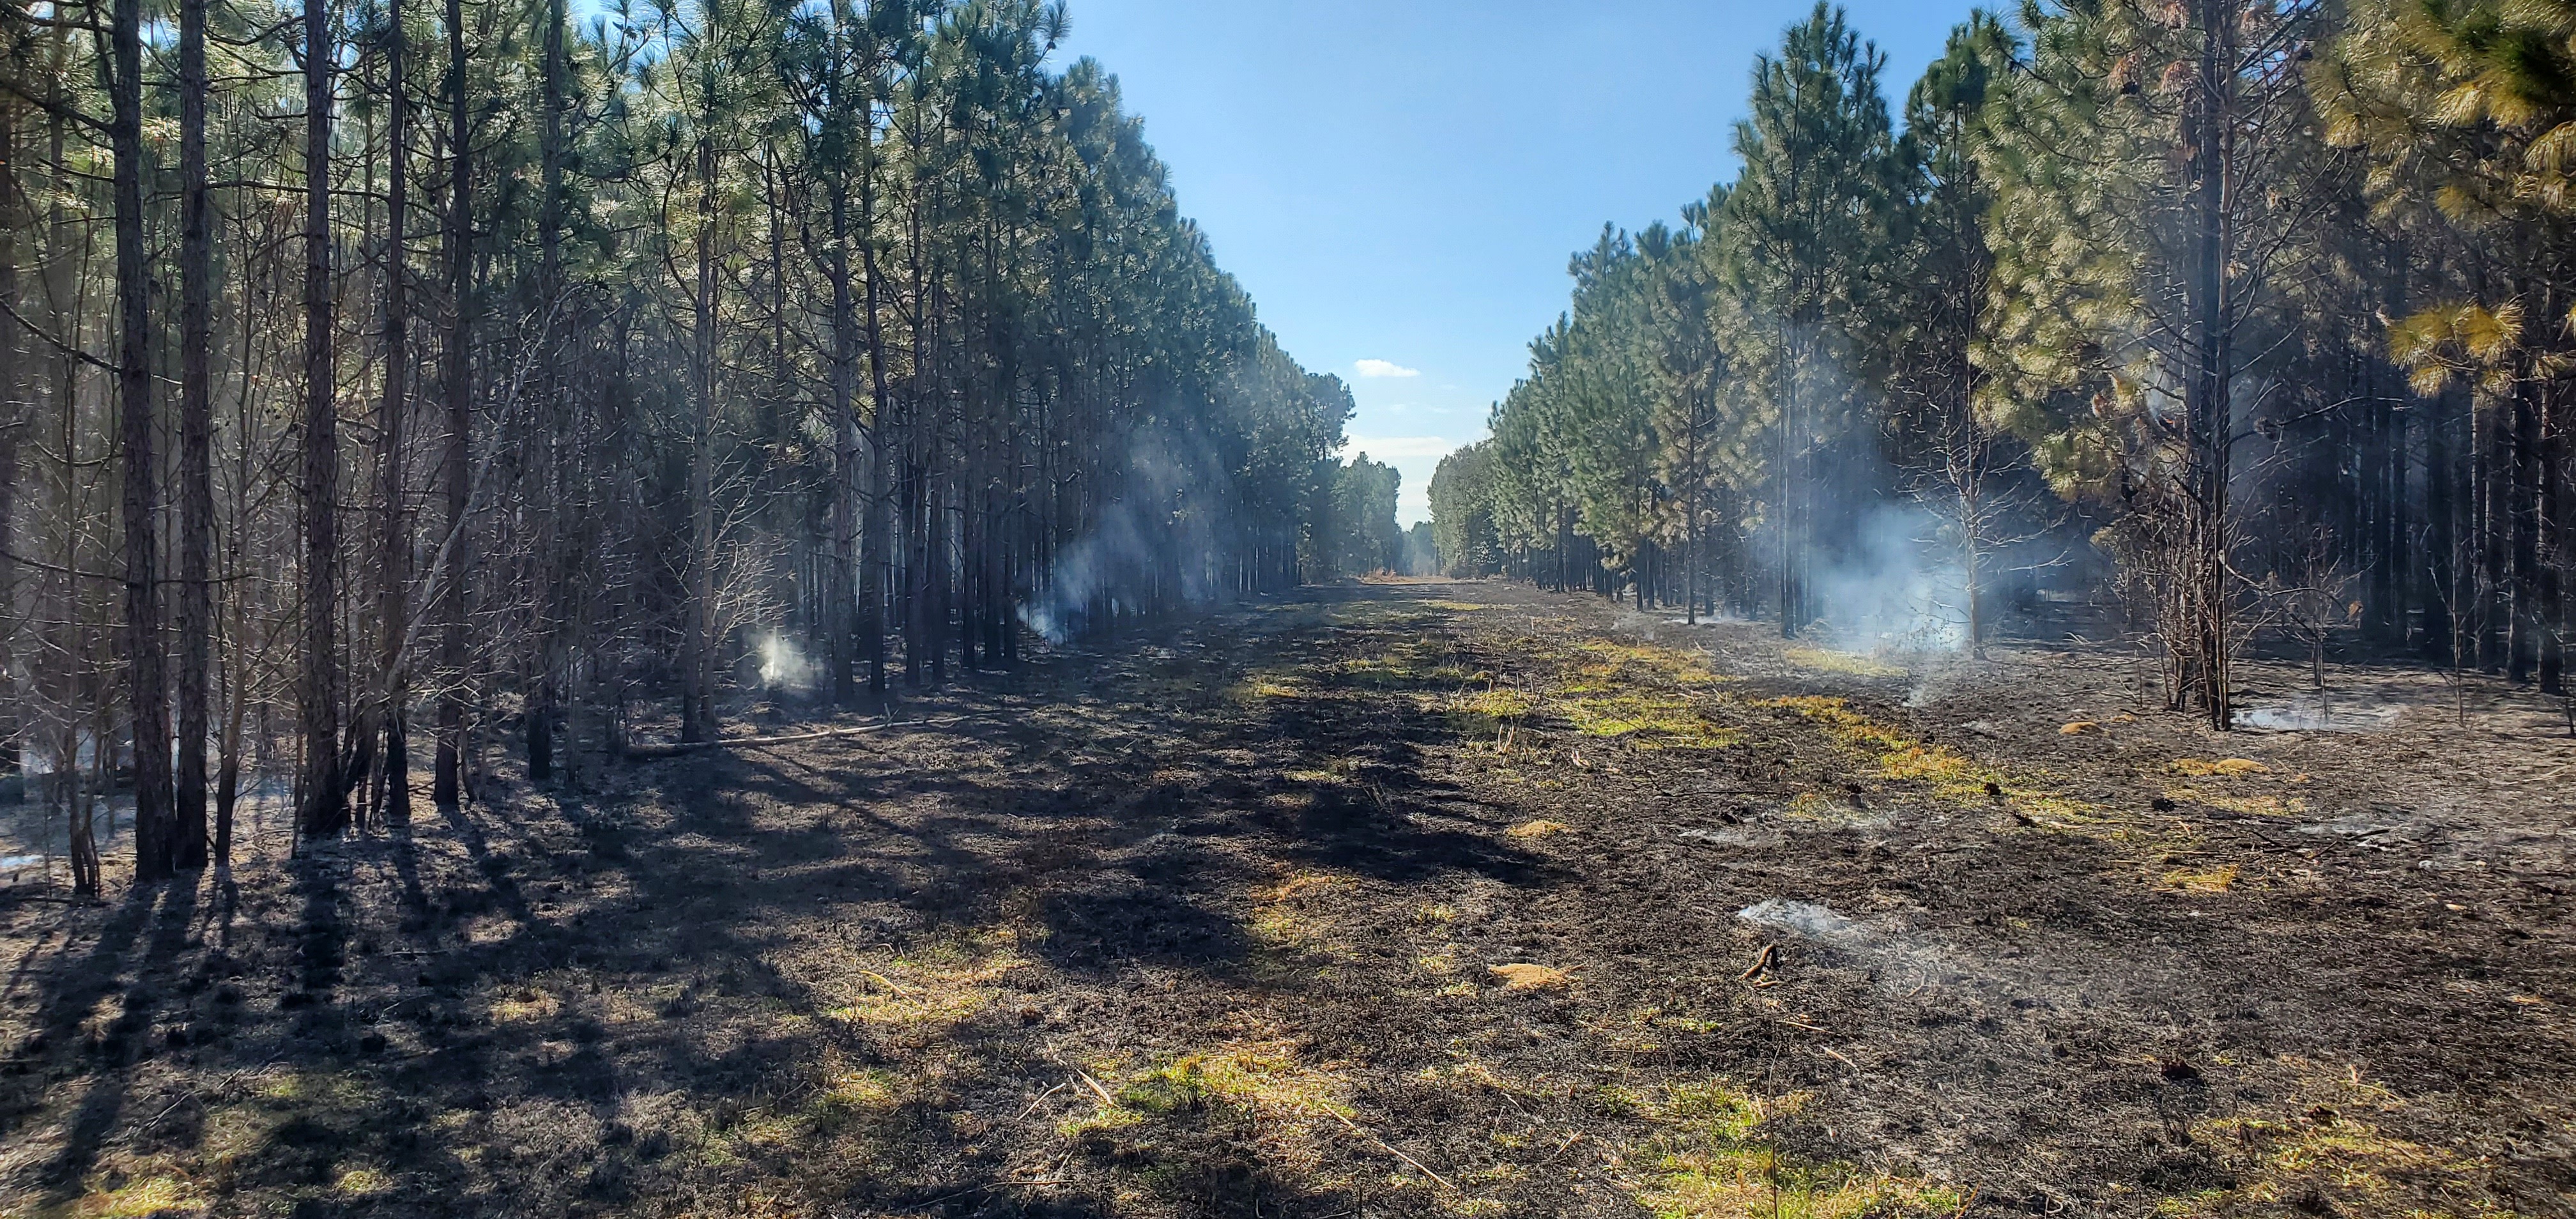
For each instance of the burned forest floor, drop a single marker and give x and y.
(1387, 899)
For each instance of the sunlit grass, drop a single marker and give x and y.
(2201, 768)
(2330, 1152)
(526, 1005)
(1850, 664)
(937, 988)
(1648, 721)
(2203, 880)
(1297, 885)
(1265, 1077)
(1423, 662)
(148, 1196)
(1267, 687)
(1710, 1161)
(1281, 921)
(1263, 1080)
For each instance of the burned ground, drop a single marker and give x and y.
(1403, 899)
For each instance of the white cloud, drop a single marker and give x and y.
(1385, 368)
(1390, 448)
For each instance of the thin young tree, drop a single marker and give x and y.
(447, 782)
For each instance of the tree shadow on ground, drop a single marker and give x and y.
(562, 1004)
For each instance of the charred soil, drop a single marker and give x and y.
(1395, 899)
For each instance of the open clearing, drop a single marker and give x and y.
(1398, 899)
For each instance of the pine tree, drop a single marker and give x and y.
(1804, 227)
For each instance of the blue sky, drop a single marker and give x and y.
(1398, 183)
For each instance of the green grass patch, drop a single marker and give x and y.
(1849, 664)
(1711, 1161)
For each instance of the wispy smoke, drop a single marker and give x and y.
(1160, 533)
(783, 665)
(1892, 590)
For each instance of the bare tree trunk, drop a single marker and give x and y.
(879, 544)
(196, 440)
(848, 477)
(544, 694)
(2523, 628)
(146, 674)
(2210, 138)
(393, 540)
(697, 713)
(325, 810)
(16, 413)
(448, 782)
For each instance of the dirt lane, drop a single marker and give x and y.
(1397, 900)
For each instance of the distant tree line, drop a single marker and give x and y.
(381, 370)
(2276, 302)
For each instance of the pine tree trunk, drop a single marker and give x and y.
(2441, 545)
(2210, 141)
(545, 690)
(196, 442)
(840, 612)
(697, 713)
(878, 544)
(393, 538)
(325, 807)
(16, 416)
(2522, 645)
(146, 673)
(447, 784)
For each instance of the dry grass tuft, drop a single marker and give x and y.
(525, 1006)
(2200, 768)
(1537, 829)
(2334, 1154)
(1850, 664)
(1522, 975)
(167, 1196)
(2207, 880)
(1267, 687)
(1298, 885)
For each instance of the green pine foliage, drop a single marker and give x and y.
(2196, 304)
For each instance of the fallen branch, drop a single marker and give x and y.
(1763, 960)
(1096, 1089)
(1389, 1148)
(1041, 1099)
(675, 749)
(886, 982)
